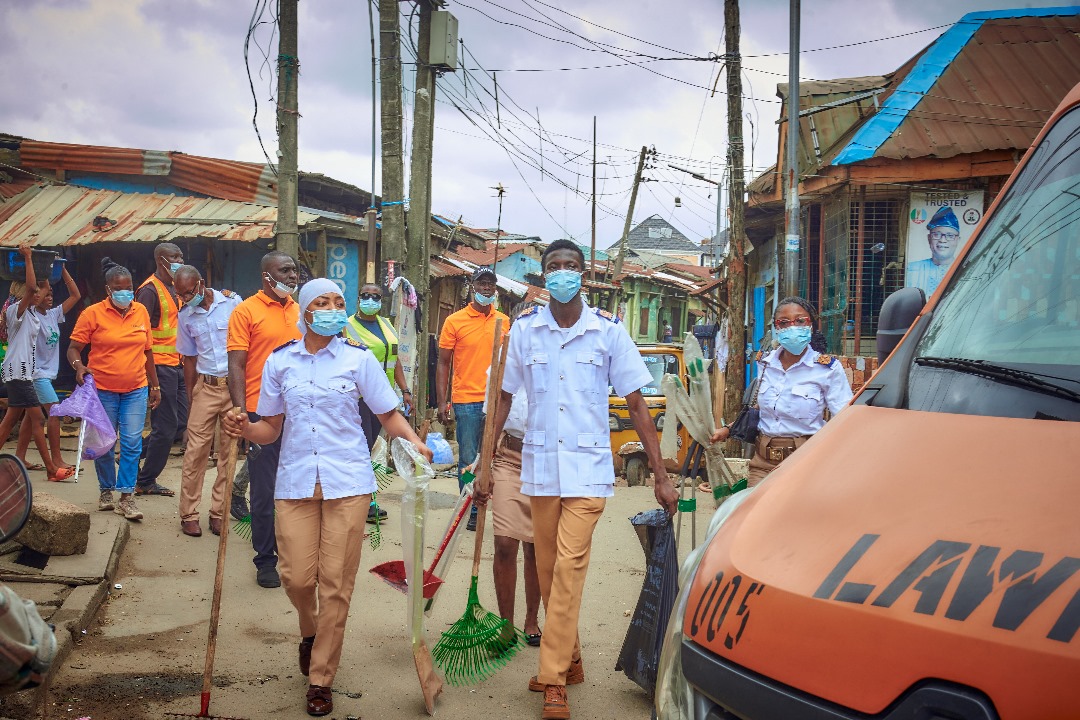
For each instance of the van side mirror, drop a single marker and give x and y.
(897, 314)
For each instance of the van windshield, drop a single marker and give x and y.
(1015, 300)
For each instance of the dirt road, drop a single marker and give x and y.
(144, 654)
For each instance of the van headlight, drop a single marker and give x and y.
(660, 422)
(613, 423)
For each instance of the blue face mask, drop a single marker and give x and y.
(563, 284)
(122, 298)
(327, 322)
(370, 307)
(173, 267)
(794, 339)
(483, 299)
(196, 300)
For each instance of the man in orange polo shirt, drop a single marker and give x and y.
(169, 419)
(465, 342)
(263, 322)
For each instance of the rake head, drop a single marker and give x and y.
(243, 527)
(477, 645)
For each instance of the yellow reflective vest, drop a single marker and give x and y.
(385, 352)
(164, 333)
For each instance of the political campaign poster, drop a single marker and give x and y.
(939, 224)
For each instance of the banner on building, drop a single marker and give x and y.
(939, 224)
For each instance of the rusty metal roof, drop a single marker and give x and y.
(990, 82)
(64, 215)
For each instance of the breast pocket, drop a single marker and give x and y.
(537, 366)
(807, 402)
(589, 376)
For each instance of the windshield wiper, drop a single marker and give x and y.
(1011, 376)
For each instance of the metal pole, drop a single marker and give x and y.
(791, 174)
(287, 235)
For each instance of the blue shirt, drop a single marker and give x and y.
(793, 402)
(205, 333)
(323, 437)
(926, 275)
(566, 451)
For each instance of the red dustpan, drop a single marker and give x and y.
(393, 572)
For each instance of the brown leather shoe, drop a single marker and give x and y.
(320, 701)
(556, 705)
(305, 654)
(215, 525)
(191, 528)
(574, 676)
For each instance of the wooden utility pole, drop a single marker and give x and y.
(393, 170)
(626, 229)
(592, 245)
(287, 237)
(418, 255)
(735, 374)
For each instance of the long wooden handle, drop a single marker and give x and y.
(231, 448)
(487, 444)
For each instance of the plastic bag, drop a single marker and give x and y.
(414, 469)
(99, 433)
(640, 654)
(441, 454)
(442, 568)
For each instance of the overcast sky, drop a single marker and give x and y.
(170, 75)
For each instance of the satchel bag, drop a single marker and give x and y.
(745, 427)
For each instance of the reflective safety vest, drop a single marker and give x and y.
(164, 333)
(385, 353)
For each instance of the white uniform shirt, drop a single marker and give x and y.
(48, 344)
(323, 437)
(21, 358)
(793, 403)
(205, 333)
(566, 373)
(519, 411)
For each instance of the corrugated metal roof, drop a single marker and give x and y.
(988, 83)
(17, 186)
(487, 255)
(64, 216)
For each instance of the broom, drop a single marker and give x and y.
(481, 642)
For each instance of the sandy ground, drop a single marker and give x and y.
(144, 655)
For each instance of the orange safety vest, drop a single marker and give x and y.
(164, 333)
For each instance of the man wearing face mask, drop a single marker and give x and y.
(258, 325)
(798, 383)
(202, 335)
(167, 421)
(465, 343)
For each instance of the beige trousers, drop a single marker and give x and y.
(562, 535)
(318, 545)
(208, 404)
(760, 465)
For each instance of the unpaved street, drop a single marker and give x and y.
(144, 654)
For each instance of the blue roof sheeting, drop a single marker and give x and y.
(922, 77)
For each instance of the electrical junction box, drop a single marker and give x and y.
(443, 52)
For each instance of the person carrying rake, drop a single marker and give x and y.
(566, 355)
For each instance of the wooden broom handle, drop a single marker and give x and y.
(487, 445)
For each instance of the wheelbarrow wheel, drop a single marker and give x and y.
(636, 471)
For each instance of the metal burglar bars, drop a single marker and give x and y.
(833, 299)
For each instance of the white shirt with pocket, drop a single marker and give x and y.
(21, 358)
(793, 402)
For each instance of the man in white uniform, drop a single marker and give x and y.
(565, 356)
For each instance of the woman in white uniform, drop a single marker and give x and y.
(310, 395)
(797, 385)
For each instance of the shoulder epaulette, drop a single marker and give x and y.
(284, 345)
(600, 312)
(354, 343)
(823, 359)
(229, 294)
(531, 311)
(759, 356)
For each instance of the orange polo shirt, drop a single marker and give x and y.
(118, 345)
(258, 325)
(470, 334)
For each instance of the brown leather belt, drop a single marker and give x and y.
(776, 449)
(215, 381)
(512, 442)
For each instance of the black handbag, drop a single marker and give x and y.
(745, 427)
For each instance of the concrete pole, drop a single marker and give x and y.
(393, 170)
(735, 373)
(287, 237)
(790, 280)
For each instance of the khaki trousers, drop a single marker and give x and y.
(208, 404)
(760, 465)
(562, 536)
(318, 545)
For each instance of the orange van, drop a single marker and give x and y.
(920, 556)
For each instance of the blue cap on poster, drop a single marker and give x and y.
(944, 217)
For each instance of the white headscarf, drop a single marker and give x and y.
(312, 289)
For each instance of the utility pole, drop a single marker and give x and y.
(719, 204)
(592, 245)
(287, 237)
(418, 255)
(789, 281)
(371, 216)
(393, 171)
(626, 228)
(735, 373)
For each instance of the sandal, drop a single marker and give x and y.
(704, 487)
(532, 639)
(34, 466)
(61, 475)
(154, 489)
